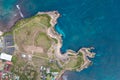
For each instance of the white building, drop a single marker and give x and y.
(5, 56)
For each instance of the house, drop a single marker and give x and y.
(54, 73)
(48, 70)
(6, 57)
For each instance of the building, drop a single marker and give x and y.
(48, 70)
(6, 57)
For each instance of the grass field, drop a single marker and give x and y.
(43, 40)
(31, 38)
(71, 63)
(32, 32)
(75, 62)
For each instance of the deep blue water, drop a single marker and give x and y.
(84, 23)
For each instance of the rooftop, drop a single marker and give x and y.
(5, 56)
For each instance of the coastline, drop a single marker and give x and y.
(6, 27)
(53, 34)
(65, 58)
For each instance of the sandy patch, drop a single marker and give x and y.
(33, 49)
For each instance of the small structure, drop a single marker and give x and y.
(54, 74)
(41, 68)
(48, 70)
(5, 56)
(23, 56)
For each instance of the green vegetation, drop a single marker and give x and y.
(43, 41)
(75, 62)
(49, 77)
(23, 77)
(54, 67)
(7, 33)
(44, 55)
(45, 19)
(32, 32)
(39, 61)
(80, 54)
(80, 60)
(14, 59)
(42, 18)
(31, 38)
(22, 68)
(72, 62)
(55, 40)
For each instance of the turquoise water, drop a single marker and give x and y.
(85, 23)
(6, 9)
(8, 14)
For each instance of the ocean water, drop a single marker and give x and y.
(9, 14)
(83, 23)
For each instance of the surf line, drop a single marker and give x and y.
(60, 31)
(18, 7)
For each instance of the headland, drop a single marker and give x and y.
(38, 48)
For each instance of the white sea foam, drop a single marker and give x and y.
(60, 31)
(18, 7)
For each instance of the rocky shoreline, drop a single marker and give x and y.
(6, 25)
(53, 34)
(54, 15)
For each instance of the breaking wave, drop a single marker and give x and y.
(18, 7)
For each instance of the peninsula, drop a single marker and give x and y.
(37, 54)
